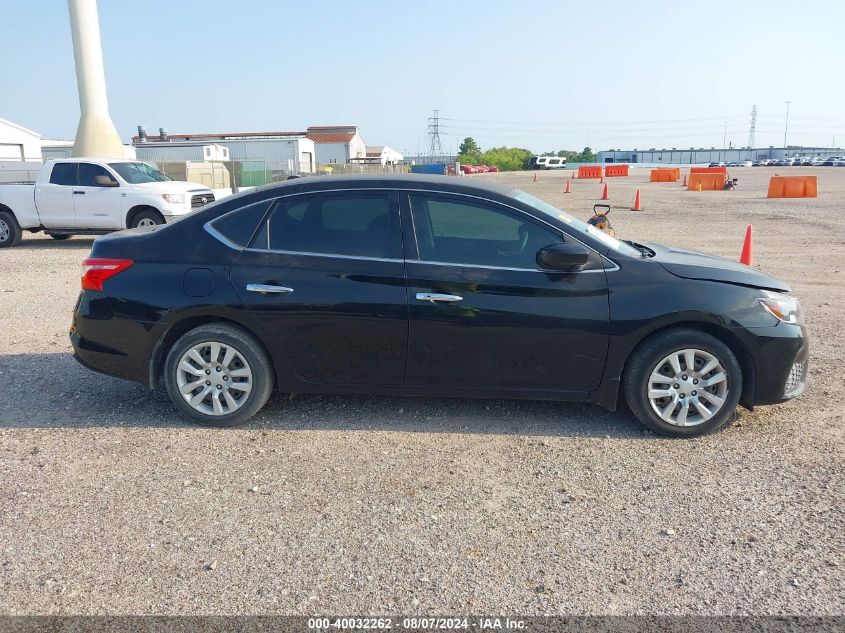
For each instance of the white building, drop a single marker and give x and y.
(279, 152)
(337, 144)
(384, 155)
(18, 143)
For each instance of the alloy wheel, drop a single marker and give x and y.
(5, 231)
(214, 378)
(688, 387)
(145, 222)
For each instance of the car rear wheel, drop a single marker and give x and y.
(218, 375)
(683, 383)
(10, 230)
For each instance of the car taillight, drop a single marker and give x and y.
(96, 270)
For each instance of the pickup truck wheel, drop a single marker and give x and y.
(10, 230)
(146, 218)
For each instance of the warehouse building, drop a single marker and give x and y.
(382, 154)
(279, 153)
(337, 144)
(691, 156)
(18, 143)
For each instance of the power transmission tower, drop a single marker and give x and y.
(435, 149)
(752, 140)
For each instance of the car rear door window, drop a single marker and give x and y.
(348, 224)
(64, 174)
(88, 172)
(458, 231)
(239, 226)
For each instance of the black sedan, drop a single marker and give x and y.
(428, 286)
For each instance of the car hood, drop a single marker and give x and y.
(172, 186)
(695, 265)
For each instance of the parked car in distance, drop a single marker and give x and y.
(92, 196)
(746, 163)
(719, 164)
(431, 286)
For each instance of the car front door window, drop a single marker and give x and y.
(456, 231)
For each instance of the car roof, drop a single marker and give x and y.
(397, 181)
(89, 159)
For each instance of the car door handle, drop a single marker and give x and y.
(267, 289)
(79, 193)
(434, 297)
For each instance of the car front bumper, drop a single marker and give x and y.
(781, 362)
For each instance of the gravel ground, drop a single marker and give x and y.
(327, 504)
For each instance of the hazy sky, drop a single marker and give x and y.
(540, 75)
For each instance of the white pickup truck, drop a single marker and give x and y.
(90, 196)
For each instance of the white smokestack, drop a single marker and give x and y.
(96, 135)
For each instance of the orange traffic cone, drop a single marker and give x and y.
(685, 180)
(601, 178)
(747, 256)
(535, 176)
(637, 206)
(604, 195)
(572, 177)
(567, 186)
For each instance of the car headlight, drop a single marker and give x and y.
(174, 198)
(783, 307)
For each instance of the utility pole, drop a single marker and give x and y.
(786, 124)
(752, 131)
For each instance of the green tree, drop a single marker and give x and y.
(506, 158)
(469, 152)
(587, 156)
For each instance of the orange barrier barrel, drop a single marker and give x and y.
(793, 187)
(709, 170)
(615, 170)
(589, 171)
(665, 174)
(708, 182)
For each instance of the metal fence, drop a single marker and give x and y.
(362, 168)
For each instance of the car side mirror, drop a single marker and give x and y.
(105, 181)
(564, 256)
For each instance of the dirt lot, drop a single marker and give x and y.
(113, 504)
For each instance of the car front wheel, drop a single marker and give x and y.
(218, 375)
(683, 383)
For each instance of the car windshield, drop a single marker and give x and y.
(138, 173)
(578, 225)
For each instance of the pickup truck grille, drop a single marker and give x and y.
(201, 199)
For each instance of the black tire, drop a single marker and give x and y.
(263, 377)
(645, 360)
(10, 230)
(60, 236)
(146, 214)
